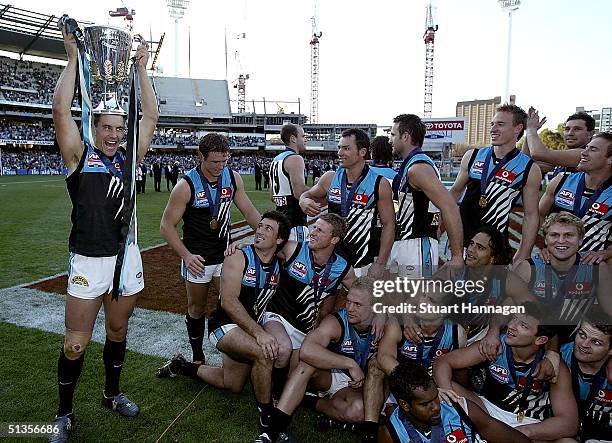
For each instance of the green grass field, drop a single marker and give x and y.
(35, 225)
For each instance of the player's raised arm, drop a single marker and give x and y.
(150, 114)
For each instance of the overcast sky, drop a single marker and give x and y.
(372, 52)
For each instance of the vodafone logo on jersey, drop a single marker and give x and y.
(457, 436)
(505, 175)
(599, 209)
(274, 279)
(360, 199)
(499, 373)
(440, 352)
(580, 289)
(536, 387)
(604, 395)
(226, 192)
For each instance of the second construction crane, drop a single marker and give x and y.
(314, 70)
(429, 36)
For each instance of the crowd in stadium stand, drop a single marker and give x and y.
(246, 141)
(236, 141)
(33, 82)
(39, 160)
(26, 132)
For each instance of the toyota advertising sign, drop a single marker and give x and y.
(445, 130)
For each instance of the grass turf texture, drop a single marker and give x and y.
(35, 223)
(29, 392)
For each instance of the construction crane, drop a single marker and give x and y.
(314, 69)
(428, 37)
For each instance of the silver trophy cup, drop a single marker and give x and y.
(109, 49)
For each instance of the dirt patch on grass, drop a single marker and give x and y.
(164, 287)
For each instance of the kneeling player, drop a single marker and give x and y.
(333, 358)
(235, 327)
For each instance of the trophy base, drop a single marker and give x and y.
(109, 105)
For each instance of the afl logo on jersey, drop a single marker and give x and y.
(360, 199)
(335, 196)
(410, 351)
(299, 269)
(478, 167)
(93, 161)
(201, 198)
(347, 347)
(226, 192)
(249, 276)
(499, 373)
(566, 197)
(505, 175)
(599, 209)
(457, 436)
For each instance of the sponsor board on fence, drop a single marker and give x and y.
(445, 130)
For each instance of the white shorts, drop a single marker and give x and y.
(296, 336)
(299, 233)
(414, 258)
(91, 277)
(216, 335)
(339, 380)
(363, 271)
(506, 417)
(209, 272)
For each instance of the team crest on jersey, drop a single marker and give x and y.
(604, 395)
(457, 436)
(505, 175)
(566, 197)
(478, 167)
(226, 193)
(93, 161)
(299, 269)
(599, 209)
(499, 373)
(360, 199)
(335, 196)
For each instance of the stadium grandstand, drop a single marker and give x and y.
(189, 108)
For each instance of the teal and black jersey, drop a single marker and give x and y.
(416, 216)
(96, 193)
(354, 344)
(304, 285)
(568, 296)
(593, 206)
(359, 207)
(510, 386)
(198, 236)
(503, 189)
(593, 393)
(282, 189)
(455, 426)
(425, 352)
(259, 283)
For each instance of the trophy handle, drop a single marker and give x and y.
(139, 38)
(70, 26)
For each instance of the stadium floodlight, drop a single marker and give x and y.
(509, 6)
(176, 9)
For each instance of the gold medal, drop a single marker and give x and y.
(214, 224)
(520, 416)
(482, 202)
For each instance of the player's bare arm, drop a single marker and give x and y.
(66, 130)
(294, 164)
(531, 219)
(463, 177)
(387, 219)
(387, 348)
(150, 114)
(309, 199)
